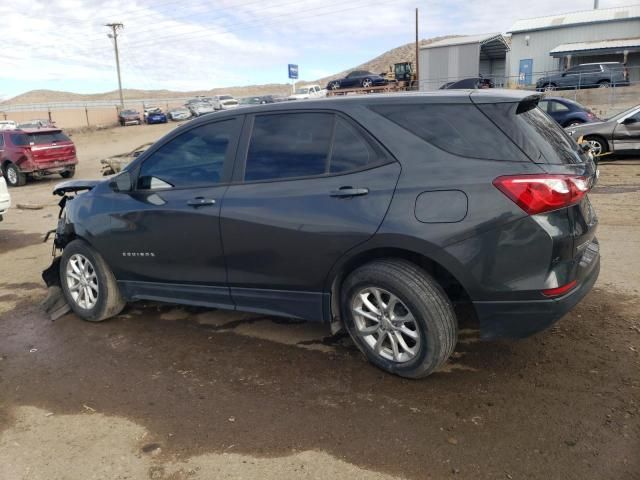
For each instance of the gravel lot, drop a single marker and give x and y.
(164, 392)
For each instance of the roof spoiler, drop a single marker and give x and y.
(527, 103)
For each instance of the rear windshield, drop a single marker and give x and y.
(535, 132)
(459, 129)
(43, 138)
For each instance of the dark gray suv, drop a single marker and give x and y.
(586, 75)
(375, 213)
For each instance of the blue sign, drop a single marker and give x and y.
(293, 71)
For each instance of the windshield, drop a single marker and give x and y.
(624, 113)
(302, 91)
(226, 97)
(250, 101)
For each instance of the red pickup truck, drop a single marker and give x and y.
(36, 152)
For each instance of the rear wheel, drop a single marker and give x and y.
(88, 283)
(399, 317)
(14, 177)
(604, 84)
(549, 87)
(367, 83)
(68, 173)
(598, 145)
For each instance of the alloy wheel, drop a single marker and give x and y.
(388, 328)
(12, 176)
(596, 146)
(366, 83)
(82, 281)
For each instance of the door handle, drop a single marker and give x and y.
(349, 192)
(201, 202)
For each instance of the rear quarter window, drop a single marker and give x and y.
(458, 129)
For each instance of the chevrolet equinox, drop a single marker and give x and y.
(375, 213)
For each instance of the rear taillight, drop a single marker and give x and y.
(543, 193)
(558, 291)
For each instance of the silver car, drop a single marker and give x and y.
(620, 133)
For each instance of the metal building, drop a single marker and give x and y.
(554, 43)
(462, 57)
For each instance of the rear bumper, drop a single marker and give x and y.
(49, 167)
(519, 319)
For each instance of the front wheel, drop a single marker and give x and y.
(604, 84)
(399, 317)
(88, 283)
(549, 87)
(598, 145)
(367, 83)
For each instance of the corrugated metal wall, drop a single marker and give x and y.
(443, 64)
(543, 41)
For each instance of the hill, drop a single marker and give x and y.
(379, 64)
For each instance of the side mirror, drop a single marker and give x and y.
(630, 120)
(121, 182)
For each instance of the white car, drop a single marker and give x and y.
(201, 108)
(5, 198)
(8, 125)
(224, 102)
(309, 91)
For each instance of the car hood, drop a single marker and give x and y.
(75, 186)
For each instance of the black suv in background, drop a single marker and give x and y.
(586, 75)
(377, 213)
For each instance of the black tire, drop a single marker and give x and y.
(596, 140)
(420, 294)
(68, 173)
(549, 87)
(109, 301)
(604, 84)
(14, 176)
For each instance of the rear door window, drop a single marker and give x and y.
(459, 129)
(289, 145)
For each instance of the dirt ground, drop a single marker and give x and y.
(164, 392)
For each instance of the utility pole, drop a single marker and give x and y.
(417, 53)
(114, 34)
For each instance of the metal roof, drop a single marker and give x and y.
(466, 39)
(599, 45)
(576, 18)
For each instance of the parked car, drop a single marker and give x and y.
(5, 198)
(224, 102)
(468, 83)
(247, 101)
(36, 153)
(129, 117)
(155, 116)
(619, 134)
(179, 114)
(38, 123)
(8, 125)
(586, 75)
(567, 112)
(309, 91)
(200, 108)
(357, 79)
(346, 211)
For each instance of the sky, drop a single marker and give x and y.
(201, 44)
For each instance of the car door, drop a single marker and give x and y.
(626, 134)
(310, 186)
(570, 78)
(164, 239)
